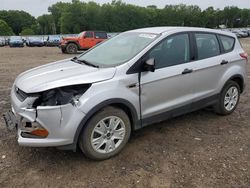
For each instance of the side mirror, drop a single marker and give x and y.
(150, 65)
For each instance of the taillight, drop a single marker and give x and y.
(244, 55)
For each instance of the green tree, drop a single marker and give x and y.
(27, 31)
(231, 16)
(17, 20)
(118, 16)
(5, 30)
(210, 18)
(73, 18)
(46, 24)
(56, 11)
(245, 17)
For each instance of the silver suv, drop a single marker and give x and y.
(137, 78)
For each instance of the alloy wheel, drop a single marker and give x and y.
(231, 98)
(108, 134)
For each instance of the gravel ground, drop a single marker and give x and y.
(200, 149)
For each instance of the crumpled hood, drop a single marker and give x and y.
(61, 73)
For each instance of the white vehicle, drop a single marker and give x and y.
(132, 80)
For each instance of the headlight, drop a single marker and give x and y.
(61, 96)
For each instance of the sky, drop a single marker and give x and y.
(39, 7)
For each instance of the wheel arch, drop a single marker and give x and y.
(123, 104)
(239, 80)
(73, 42)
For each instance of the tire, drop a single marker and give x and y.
(107, 144)
(228, 102)
(71, 48)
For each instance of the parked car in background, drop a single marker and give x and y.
(24, 39)
(2, 42)
(246, 32)
(7, 39)
(239, 33)
(16, 41)
(243, 34)
(53, 40)
(83, 41)
(94, 101)
(35, 41)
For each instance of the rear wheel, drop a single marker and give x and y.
(71, 48)
(105, 134)
(229, 99)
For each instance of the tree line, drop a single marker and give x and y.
(117, 16)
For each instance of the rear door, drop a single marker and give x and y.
(209, 65)
(171, 85)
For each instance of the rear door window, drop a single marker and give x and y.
(207, 45)
(227, 43)
(89, 34)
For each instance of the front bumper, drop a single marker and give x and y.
(60, 121)
(53, 44)
(37, 44)
(16, 45)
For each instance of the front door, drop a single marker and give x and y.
(171, 85)
(88, 40)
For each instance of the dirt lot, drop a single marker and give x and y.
(200, 149)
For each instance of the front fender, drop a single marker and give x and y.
(103, 94)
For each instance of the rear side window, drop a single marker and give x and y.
(101, 35)
(207, 45)
(227, 43)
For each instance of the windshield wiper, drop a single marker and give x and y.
(80, 61)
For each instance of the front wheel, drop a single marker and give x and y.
(105, 134)
(71, 48)
(229, 99)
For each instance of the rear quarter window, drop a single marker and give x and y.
(101, 35)
(227, 43)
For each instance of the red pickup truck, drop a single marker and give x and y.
(84, 41)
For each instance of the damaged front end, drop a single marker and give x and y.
(60, 96)
(46, 114)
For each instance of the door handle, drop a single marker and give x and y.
(132, 85)
(224, 62)
(187, 71)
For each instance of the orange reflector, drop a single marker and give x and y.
(40, 132)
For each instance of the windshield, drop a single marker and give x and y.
(54, 38)
(36, 39)
(118, 50)
(80, 34)
(15, 38)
